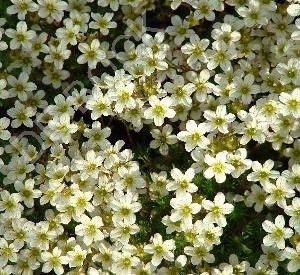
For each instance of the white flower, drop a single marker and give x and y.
(54, 261)
(19, 232)
(92, 54)
(89, 166)
(194, 135)
(204, 9)
(239, 162)
(159, 110)
(219, 119)
(21, 115)
(291, 103)
(10, 204)
(181, 261)
(38, 44)
(26, 263)
(52, 9)
(220, 55)
(76, 256)
(79, 5)
(293, 9)
(180, 92)
(162, 139)
(62, 128)
(151, 61)
(294, 256)
(78, 98)
(225, 33)
(234, 265)
(184, 209)
(289, 73)
(203, 86)
(180, 29)
(124, 207)
(263, 173)
(216, 87)
(268, 107)
(89, 229)
(217, 209)
(123, 231)
(254, 14)
(57, 55)
(277, 232)
(159, 184)
(4, 123)
(21, 36)
(296, 34)
(244, 88)
(124, 261)
(20, 86)
(7, 270)
(19, 167)
(175, 4)
(8, 252)
(42, 236)
(49, 190)
(105, 254)
(293, 153)
(55, 77)
(102, 22)
(218, 166)
(56, 172)
(257, 196)
(293, 176)
(209, 233)
(135, 28)
(69, 33)
(279, 138)
(160, 249)
(98, 135)
(279, 192)
(195, 50)
(293, 210)
(199, 252)
(252, 128)
(99, 104)
(81, 202)
(3, 93)
(171, 226)
(129, 179)
(27, 192)
(272, 255)
(22, 7)
(1, 153)
(182, 182)
(79, 19)
(113, 4)
(123, 96)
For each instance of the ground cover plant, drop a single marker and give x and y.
(149, 137)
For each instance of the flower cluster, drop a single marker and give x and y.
(149, 137)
